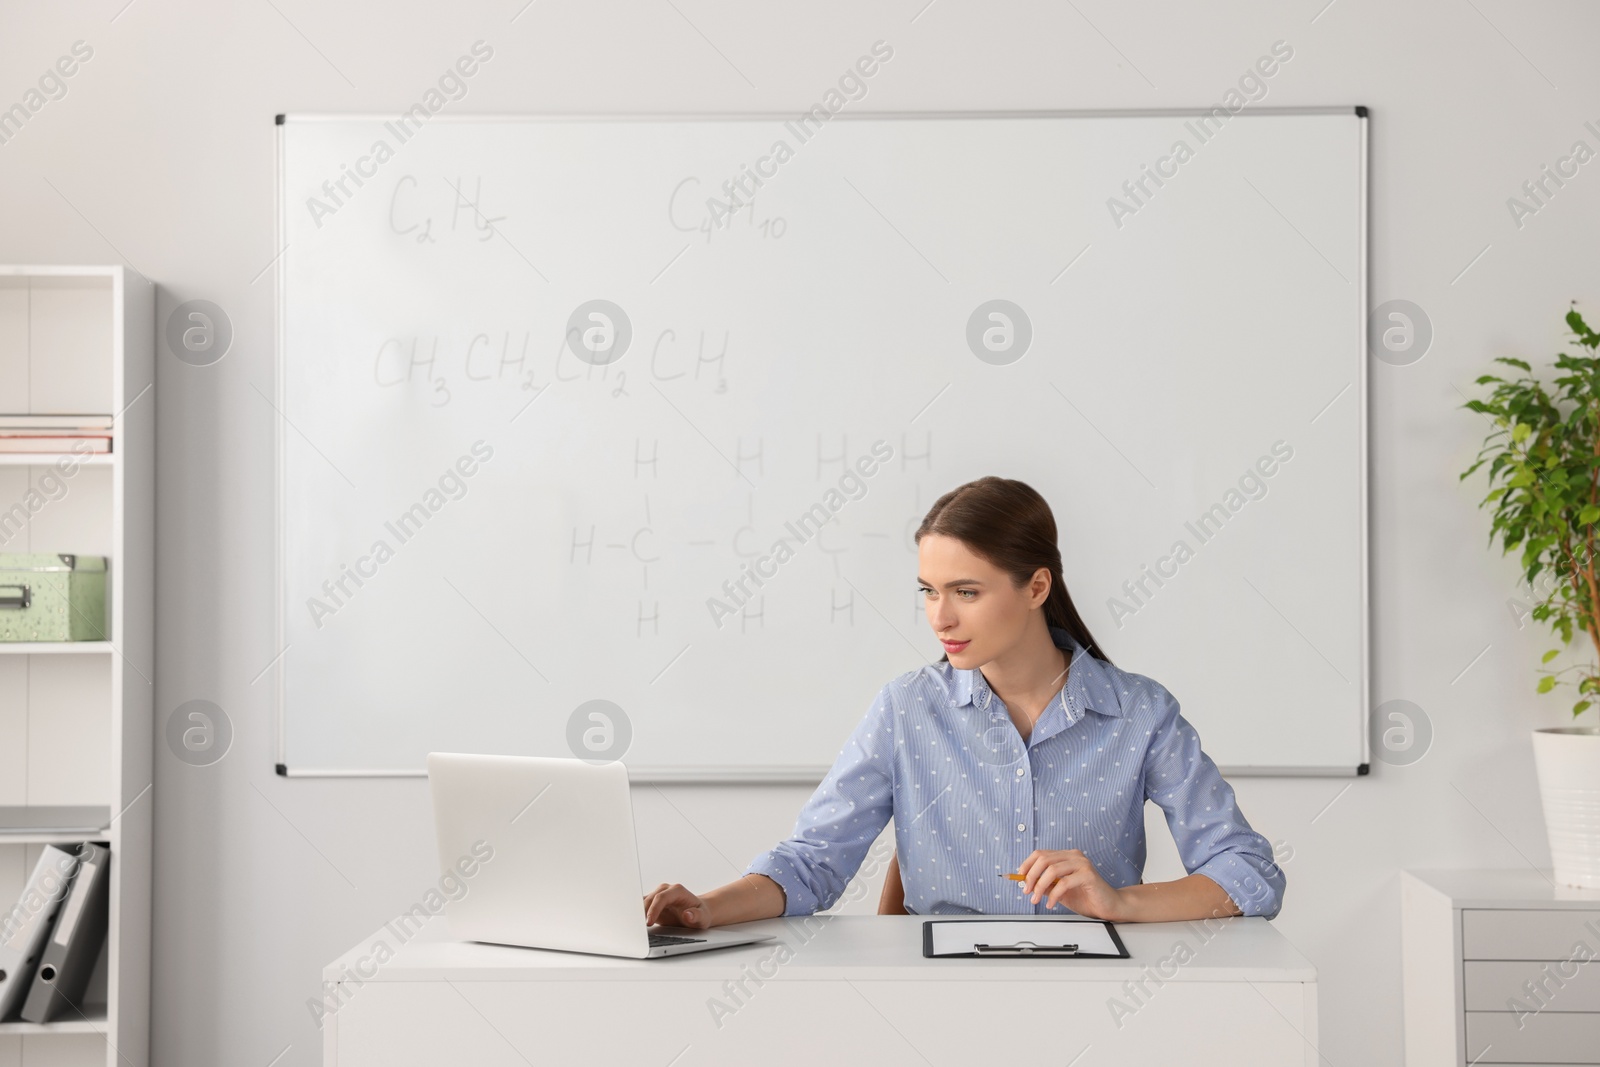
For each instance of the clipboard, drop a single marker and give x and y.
(1091, 939)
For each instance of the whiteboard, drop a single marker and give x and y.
(542, 404)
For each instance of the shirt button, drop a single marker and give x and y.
(1021, 771)
(1021, 826)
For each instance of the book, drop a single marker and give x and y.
(53, 443)
(55, 422)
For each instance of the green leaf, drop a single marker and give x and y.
(1580, 707)
(1579, 327)
(1552, 654)
(1547, 683)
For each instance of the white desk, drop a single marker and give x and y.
(852, 989)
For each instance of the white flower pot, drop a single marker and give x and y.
(1568, 762)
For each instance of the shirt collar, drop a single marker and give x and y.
(1087, 689)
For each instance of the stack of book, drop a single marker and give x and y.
(51, 939)
(55, 433)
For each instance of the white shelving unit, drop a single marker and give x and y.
(76, 717)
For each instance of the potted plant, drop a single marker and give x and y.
(1544, 478)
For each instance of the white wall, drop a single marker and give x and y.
(160, 156)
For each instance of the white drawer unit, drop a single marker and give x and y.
(1499, 968)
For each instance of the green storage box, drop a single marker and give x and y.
(46, 597)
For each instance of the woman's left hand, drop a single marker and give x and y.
(1070, 879)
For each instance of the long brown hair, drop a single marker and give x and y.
(1009, 524)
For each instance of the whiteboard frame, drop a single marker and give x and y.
(811, 775)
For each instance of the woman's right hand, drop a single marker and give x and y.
(673, 905)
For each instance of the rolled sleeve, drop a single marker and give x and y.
(1212, 834)
(838, 824)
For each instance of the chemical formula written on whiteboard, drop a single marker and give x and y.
(411, 205)
(528, 360)
(646, 546)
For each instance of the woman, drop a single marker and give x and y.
(1023, 750)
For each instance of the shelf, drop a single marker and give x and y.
(41, 837)
(91, 1021)
(50, 648)
(53, 824)
(49, 459)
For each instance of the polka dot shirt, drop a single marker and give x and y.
(938, 753)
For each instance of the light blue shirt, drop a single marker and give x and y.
(970, 799)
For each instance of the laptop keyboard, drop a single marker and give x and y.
(657, 940)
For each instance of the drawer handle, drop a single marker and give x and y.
(15, 596)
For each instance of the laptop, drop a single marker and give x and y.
(553, 860)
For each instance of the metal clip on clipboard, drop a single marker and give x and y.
(1018, 939)
(1025, 948)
